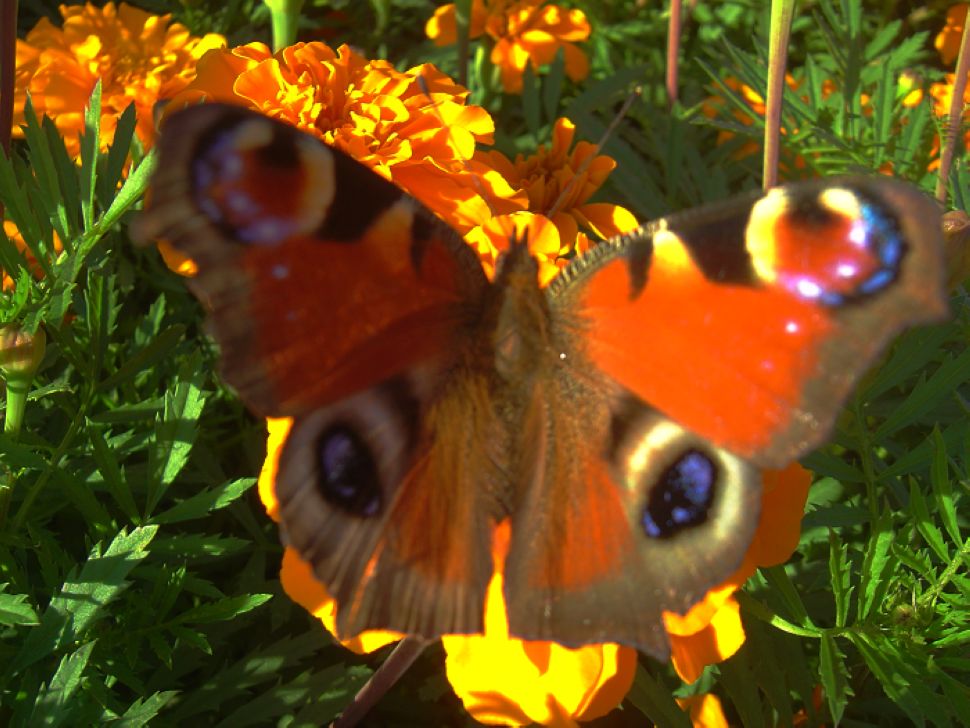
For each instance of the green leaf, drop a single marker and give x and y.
(175, 433)
(903, 678)
(131, 192)
(114, 163)
(143, 710)
(953, 372)
(942, 490)
(877, 567)
(225, 609)
(53, 705)
(210, 499)
(111, 472)
(160, 348)
(925, 525)
(834, 677)
(90, 142)
(655, 701)
(14, 609)
(81, 600)
(840, 578)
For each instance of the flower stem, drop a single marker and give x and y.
(396, 664)
(285, 17)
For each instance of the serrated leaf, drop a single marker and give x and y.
(175, 433)
(14, 609)
(90, 142)
(902, 678)
(210, 499)
(143, 710)
(953, 372)
(224, 609)
(192, 637)
(942, 490)
(840, 578)
(834, 677)
(81, 600)
(52, 706)
(130, 193)
(876, 566)
(197, 545)
(925, 525)
(160, 348)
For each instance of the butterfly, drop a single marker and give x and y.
(619, 417)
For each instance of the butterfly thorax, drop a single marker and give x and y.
(517, 313)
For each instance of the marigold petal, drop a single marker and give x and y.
(301, 585)
(277, 429)
(715, 643)
(507, 681)
(705, 711)
(782, 507)
(606, 220)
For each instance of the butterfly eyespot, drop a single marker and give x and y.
(262, 187)
(682, 496)
(835, 246)
(347, 474)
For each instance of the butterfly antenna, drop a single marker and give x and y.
(560, 201)
(383, 679)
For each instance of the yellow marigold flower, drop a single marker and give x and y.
(139, 58)
(556, 178)
(948, 40)
(413, 127)
(525, 31)
(13, 235)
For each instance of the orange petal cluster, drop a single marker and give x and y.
(523, 32)
(139, 58)
(561, 179)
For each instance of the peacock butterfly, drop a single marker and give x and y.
(618, 417)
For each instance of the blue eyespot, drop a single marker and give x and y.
(681, 497)
(346, 472)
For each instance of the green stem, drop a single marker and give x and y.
(17, 390)
(285, 17)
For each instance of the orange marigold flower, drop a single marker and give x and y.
(139, 58)
(413, 127)
(525, 31)
(560, 183)
(13, 235)
(948, 40)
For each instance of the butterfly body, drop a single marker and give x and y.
(617, 418)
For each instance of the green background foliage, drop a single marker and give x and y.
(138, 572)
